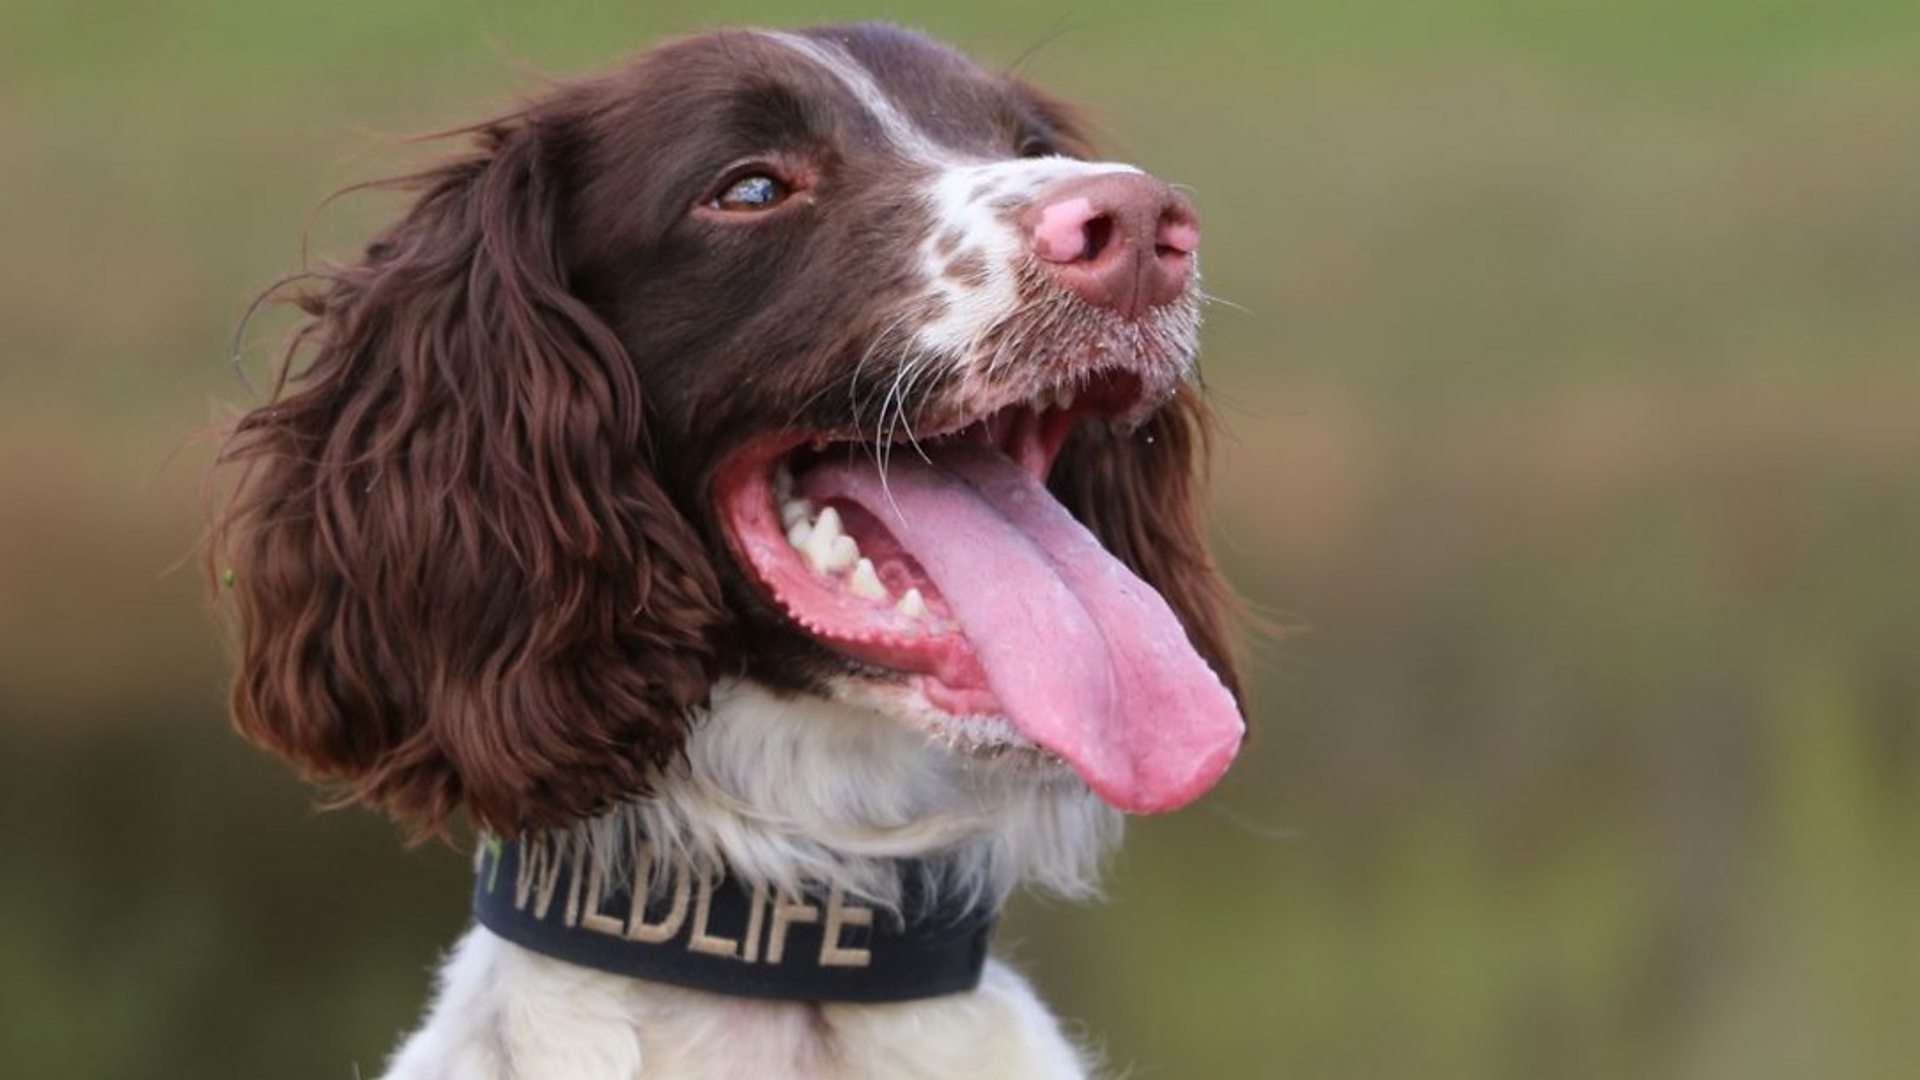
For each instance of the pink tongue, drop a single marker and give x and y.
(1086, 658)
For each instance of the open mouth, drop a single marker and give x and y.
(945, 559)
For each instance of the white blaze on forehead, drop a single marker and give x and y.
(839, 63)
(981, 205)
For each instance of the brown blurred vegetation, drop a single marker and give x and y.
(1569, 357)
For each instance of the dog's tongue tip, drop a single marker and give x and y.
(1086, 658)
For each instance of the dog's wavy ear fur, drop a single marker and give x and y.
(1143, 494)
(455, 580)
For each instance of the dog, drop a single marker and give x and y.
(759, 489)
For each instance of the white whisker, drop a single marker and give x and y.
(1209, 298)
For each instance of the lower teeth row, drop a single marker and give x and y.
(831, 552)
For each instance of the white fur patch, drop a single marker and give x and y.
(788, 790)
(902, 132)
(981, 203)
(504, 1013)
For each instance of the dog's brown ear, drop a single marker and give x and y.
(1143, 494)
(455, 580)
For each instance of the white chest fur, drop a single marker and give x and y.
(507, 1014)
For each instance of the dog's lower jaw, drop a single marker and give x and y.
(786, 789)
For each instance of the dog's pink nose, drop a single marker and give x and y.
(1121, 241)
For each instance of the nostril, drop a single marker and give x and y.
(1177, 233)
(1060, 229)
(1097, 234)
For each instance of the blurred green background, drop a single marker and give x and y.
(1571, 366)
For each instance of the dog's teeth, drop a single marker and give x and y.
(824, 549)
(913, 605)
(865, 582)
(842, 555)
(828, 524)
(798, 534)
(1063, 397)
(782, 484)
(794, 512)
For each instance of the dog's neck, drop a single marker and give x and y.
(799, 791)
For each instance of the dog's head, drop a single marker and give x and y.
(827, 359)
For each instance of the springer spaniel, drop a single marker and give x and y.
(759, 488)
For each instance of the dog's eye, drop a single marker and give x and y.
(1036, 146)
(751, 194)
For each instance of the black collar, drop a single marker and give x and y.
(715, 933)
